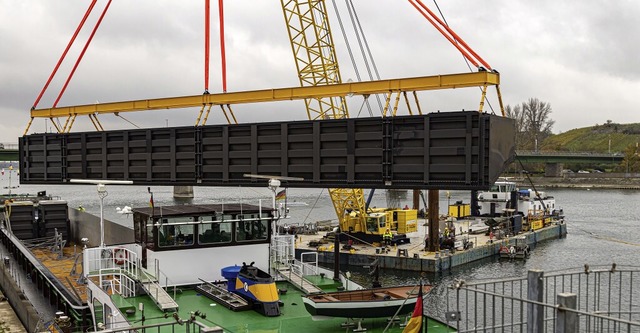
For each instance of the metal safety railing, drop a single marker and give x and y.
(117, 258)
(598, 299)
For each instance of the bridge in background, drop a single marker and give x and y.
(8, 152)
(529, 156)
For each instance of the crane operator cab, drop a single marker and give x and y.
(377, 223)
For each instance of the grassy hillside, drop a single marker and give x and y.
(595, 138)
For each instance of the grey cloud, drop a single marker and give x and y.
(560, 52)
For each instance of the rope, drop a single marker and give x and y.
(312, 207)
(532, 185)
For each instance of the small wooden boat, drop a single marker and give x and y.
(364, 303)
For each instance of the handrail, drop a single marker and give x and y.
(158, 276)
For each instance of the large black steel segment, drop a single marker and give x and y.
(453, 150)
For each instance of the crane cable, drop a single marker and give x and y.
(355, 22)
(353, 61)
(463, 57)
(117, 114)
(350, 51)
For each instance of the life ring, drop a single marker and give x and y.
(119, 256)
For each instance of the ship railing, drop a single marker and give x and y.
(118, 258)
(101, 299)
(298, 270)
(282, 251)
(600, 299)
(117, 281)
(190, 324)
(168, 283)
(308, 263)
(303, 268)
(156, 275)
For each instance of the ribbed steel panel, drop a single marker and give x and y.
(54, 216)
(453, 150)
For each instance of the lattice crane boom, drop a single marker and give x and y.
(317, 64)
(315, 56)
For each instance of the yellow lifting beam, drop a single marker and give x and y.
(437, 82)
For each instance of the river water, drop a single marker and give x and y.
(603, 225)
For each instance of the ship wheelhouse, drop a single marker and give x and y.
(196, 226)
(169, 233)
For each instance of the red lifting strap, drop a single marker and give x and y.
(207, 16)
(450, 35)
(207, 47)
(222, 48)
(75, 66)
(53, 73)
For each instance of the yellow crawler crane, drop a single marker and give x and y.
(317, 64)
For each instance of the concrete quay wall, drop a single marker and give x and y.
(442, 261)
(19, 305)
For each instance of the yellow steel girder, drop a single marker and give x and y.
(437, 82)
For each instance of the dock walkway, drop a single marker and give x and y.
(298, 281)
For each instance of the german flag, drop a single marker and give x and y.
(281, 195)
(151, 204)
(415, 323)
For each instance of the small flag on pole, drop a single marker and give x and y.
(415, 323)
(151, 198)
(281, 195)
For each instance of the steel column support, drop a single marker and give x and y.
(535, 292)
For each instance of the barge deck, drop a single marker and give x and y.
(412, 257)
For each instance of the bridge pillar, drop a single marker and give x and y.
(183, 191)
(553, 169)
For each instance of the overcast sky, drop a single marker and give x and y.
(579, 56)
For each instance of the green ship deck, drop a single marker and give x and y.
(294, 317)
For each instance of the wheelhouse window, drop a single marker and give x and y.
(182, 229)
(176, 232)
(251, 228)
(214, 232)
